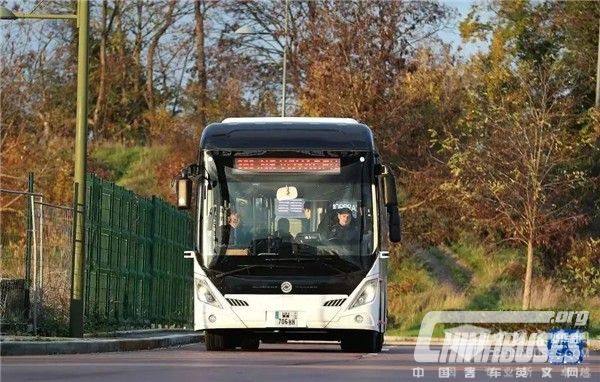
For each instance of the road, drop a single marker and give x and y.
(273, 362)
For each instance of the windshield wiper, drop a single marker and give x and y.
(247, 267)
(333, 267)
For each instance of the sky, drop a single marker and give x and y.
(452, 35)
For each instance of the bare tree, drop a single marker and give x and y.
(106, 27)
(168, 20)
(200, 8)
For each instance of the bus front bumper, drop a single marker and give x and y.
(291, 313)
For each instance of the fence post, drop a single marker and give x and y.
(153, 300)
(29, 248)
(29, 230)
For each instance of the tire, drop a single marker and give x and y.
(218, 342)
(348, 345)
(249, 343)
(379, 344)
(363, 342)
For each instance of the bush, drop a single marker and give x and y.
(581, 269)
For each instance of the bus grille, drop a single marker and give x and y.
(337, 302)
(236, 302)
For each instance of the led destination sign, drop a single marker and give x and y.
(294, 165)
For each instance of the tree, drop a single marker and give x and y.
(201, 8)
(331, 43)
(534, 31)
(106, 27)
(514, 158)
(356, 57)
(161, 29)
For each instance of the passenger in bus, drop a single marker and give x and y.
(234, 232)
(283, 230)
(328, 220)
(345, 231)
(306, 219)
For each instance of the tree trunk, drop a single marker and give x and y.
(200, 65)
(528, 275)
(121, 52)
(152, 50)
(98, 109)
(137, 49)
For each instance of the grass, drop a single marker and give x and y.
(476, 278)
(130, 167)
(438, 332)
(459, 275)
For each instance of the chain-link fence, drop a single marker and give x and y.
(51, 264)
(15, 241)
(35, 264)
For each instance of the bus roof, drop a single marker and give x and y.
(321, 120)
(288, 134)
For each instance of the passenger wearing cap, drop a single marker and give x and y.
(345, 230)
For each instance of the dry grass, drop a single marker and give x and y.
(496, 284)
(12, 260)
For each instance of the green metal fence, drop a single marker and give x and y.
(136, 275)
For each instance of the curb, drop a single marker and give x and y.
(90, 345)
(137, 332)
(9, 348)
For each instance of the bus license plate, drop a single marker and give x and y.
(285, 318)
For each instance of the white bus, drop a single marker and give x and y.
(293, 216)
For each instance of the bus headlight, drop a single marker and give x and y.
(205, 295)
(367, 293)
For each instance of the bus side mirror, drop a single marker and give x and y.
(390, 199)
(389, 190)
(183, 186)
(394, 224)
(183, 189)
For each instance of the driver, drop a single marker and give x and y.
(283, 230)
(345, 230)
(234, 232)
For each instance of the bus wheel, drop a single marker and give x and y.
(379, 345)
(349, 345)
(217, 342)
(372, 342)
(363, 342)
(250, 343)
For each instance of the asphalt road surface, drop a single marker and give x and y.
(273, 362)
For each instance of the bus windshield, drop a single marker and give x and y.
(295, 214)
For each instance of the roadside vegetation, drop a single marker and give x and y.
(469, 275)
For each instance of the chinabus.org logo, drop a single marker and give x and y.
(469, 343)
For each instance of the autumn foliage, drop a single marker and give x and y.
(502, 143)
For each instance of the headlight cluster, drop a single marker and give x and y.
(205, 295)
(367, 293)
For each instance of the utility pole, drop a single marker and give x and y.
(285, 47)
(81, 129)
(246, 30)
